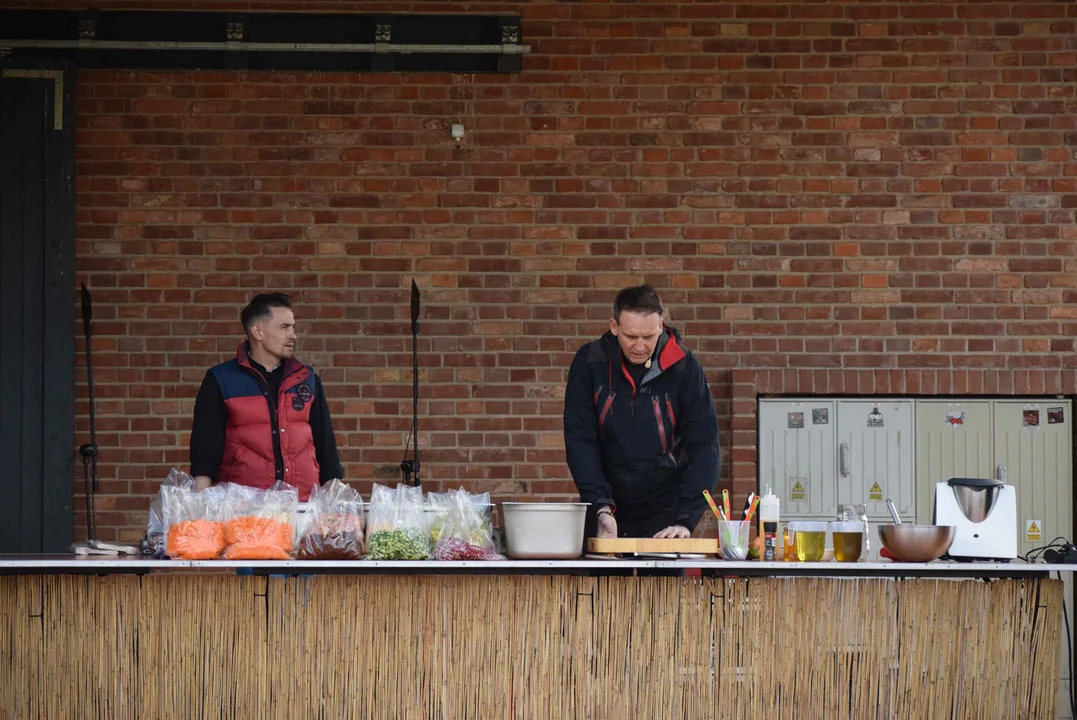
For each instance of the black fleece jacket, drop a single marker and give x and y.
(648, 451)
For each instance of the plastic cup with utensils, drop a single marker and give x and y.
(733, 539)
(848, 539)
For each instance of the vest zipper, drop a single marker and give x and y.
(278, 451)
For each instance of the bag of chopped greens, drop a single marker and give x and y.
(396, 529)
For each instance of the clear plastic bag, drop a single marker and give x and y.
(397, 530)
(157, 525)
(260, 524)
(436, 511)
(195, 522)
(469, 532)
(332, 528)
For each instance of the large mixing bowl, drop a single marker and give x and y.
(917, 543)
(538, 530)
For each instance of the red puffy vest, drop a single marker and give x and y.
(248, 457)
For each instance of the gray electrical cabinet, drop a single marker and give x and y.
(817, 454)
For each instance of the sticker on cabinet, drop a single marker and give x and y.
(1033, 533)
(798, 493)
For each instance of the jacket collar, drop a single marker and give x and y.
(668, 350)
(243, 357)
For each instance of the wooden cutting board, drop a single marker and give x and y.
(698, 546)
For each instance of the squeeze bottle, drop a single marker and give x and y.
(768, 516)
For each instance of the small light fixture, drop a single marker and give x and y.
(458, 133)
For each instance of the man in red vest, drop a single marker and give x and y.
(262, 416)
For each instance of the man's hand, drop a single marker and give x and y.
(201, 482)
(607, 525)
(674, 531)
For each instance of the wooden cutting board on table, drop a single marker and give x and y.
(615, 546)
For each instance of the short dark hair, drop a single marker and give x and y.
(260, 306)
(639, 298)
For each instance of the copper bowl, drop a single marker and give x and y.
(917, 543)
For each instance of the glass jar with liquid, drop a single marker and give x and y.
(858, 513)
(848, 540)
(810, 540)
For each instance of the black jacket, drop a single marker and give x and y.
(648, 451)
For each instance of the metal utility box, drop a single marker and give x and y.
(1034, 453)
(875, 456)
(953, 439)
(818, 454)
(797, 456)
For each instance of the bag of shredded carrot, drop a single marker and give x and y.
(195, 530)
(157, 525)
(260, 524)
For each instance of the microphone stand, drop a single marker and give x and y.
(89, 450)
(92, 546)
(411, 467)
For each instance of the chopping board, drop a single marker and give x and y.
(611, 546)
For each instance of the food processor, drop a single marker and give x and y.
(984, 511)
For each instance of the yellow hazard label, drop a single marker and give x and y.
(875, 492)
(1033, 532)
(798, 494)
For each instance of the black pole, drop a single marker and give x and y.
(415, 377)
(89, 451)
(410, 466)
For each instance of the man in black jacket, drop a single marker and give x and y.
(641, 433)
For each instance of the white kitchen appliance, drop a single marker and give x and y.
(984, 511)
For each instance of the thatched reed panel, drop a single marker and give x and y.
(447, 647)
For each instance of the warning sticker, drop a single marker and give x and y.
(955, 419)
(796, 420)
(798, 493)
(1033, 531)
(875, 418)
(821, 416)
(875, 492)
(1031, 417)
(1055, 416)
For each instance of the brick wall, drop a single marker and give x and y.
(822, 192)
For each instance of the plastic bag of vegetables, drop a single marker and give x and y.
(396, 529)
(332, 527)
(176, 483)
(260, 524)
(195, 522)
(468, 531)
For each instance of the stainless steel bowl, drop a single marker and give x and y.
(537, 530)
(976, 502)
(917, 543)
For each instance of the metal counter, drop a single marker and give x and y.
(98, 564)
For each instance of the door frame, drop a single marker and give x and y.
(58, 314)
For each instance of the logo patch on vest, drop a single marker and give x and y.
(302, 395)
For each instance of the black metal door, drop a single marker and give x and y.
(36, 309)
